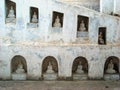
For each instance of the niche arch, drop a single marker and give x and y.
(84, 63)
(16, 60)
(116, 63)
(46, 62)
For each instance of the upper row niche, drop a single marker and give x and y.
(57, 19)
(10, 8)
(34, 15)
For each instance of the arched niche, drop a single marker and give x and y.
(8, 4)
(53, 63)
(34, 10)
(84, 64)
(15, 62)
(115, 62)
(111, 68)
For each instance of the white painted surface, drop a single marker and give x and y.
(36, 44)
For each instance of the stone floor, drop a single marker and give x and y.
(59, 85)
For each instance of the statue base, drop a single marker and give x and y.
(10, 20)
(80, 76)
(113, 77)
(50, 76)
(32, 25)
(82, 34)
(16, 76)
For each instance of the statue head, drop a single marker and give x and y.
(111, 61)
(11, 7)
(34, 13)
(79, 62)
(57, 19)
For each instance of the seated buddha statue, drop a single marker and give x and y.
(82, 26)
(34, 18)
(20, 69)
(79, 69)
(100, 39)
(49, 69)
(110, 68)
(11, 13)
(57, 22)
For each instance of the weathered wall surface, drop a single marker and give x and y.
(65, 55)
(117, 7)
(107, 6)
(92, 4)
(35, 44)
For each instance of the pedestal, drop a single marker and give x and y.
(113, 77)
(32, 25)
(16, 76)
(80, 76)
(10, 20)
(82, 34)
(50, 76)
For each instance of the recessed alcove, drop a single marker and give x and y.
(80, 69)
(57, 22)
(10, 9)
(102, 36)
(50, 68)
(111, 68)
(34, 17)
(19, 68)
(82, 26)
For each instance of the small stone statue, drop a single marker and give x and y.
(100, 39)
(34, 18)
(11, 13)
(49, 69)
(82, 26)
(110, 68)
(79, 69)
(20, 69)
(57, 22)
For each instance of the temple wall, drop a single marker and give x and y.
(107, 6)
(34, 44)
(34, 55)
(117, 7)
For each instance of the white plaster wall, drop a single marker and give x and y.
(17, 39)
(34, 55)
(107, 6)
(92, 4)
(117, 7)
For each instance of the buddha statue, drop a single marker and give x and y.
(34, 18)
(11, 13)
(49, 69)
(57, 22)
(100, 39)
(82, 26)
(20, 69)
(110, 68)
(79, 69)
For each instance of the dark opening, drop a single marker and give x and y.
(102, 36)
(8, 5)
(60, 15)
(115, 62)
(85, 21)
(32, 10)
(84, 63)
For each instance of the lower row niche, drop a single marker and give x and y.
(80, 69)
(111, 70)
(19, 68)
(50, 69)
